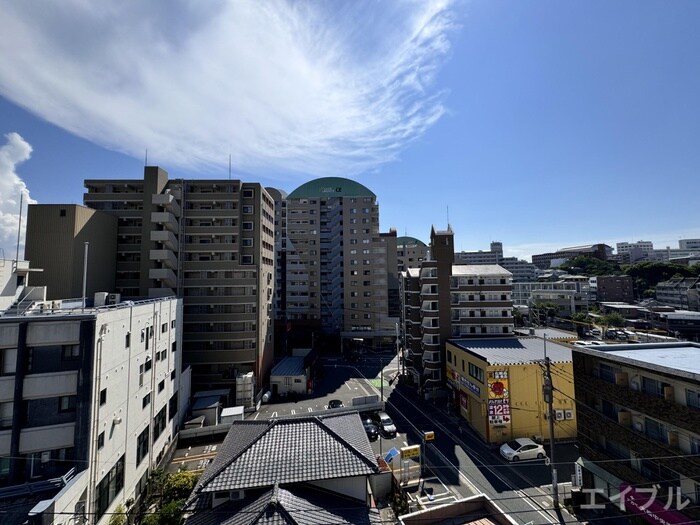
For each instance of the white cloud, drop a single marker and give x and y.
(283, 86)
(15, 151)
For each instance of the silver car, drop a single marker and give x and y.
(522, 448)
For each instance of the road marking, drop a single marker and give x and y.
(274, 414)
(294, 411)
(310, 409)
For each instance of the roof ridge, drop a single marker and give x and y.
(270, 423)
(344, 441)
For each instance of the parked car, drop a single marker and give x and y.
(522, 448)
(371, 429)
(385, 424)
(335, 403)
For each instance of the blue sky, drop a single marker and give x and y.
(540, 124)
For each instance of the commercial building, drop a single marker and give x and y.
(639, 427)
(497, 387)
(442, 300)
(339, 269)
(90, 401)
(210, 242)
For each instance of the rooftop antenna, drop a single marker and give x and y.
(448, 216)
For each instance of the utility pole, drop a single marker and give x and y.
(381, 392)
(548, 394)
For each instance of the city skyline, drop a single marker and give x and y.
(541, 126)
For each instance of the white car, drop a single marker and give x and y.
(522, 448)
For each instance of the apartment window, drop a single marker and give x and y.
(172, 323)
(146, 400)
(142, 445)
(67, 403)
(247, 193)
(653, 387)
(103, 396)
(163, 328)
(654, 430)
(247, 225)
(8, 361)
(173, 347)
(246, 259)
(62, 212)
(247, 242)
(692, 398)
(449, 356)
(161, 386)
(173, 374)
(247, 209)
(71, 352)
(100, 440)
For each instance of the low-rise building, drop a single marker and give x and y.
(313, 469)
(639, 427)
(497, 387)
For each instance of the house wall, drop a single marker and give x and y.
(355, 487)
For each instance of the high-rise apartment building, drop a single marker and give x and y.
(210, 242)
(338, 268)
(522, 271)
(443, 300)
(410, 252)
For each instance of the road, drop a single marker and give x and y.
(459, 464)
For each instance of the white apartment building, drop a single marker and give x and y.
(626, 247)
(90, 400)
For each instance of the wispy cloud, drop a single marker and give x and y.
(15, 151)
(282, 86)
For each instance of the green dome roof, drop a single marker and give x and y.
(403, 241)
(330, 187)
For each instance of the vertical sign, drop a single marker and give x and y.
(499, 397)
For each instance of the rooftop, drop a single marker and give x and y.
(310, 448)
(677, 358)
(331, 187)
(479, 269)
(513, 350)
(409, 241)
(289, 366)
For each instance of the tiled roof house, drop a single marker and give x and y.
(307, 470)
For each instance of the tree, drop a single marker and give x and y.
(119, 516)
(648, 274)
(581, 322)
(613, 319)
(590, 266)
(178, 486)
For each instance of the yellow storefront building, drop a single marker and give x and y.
(497, 387)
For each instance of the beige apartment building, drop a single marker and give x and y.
(443, 300)
(56, 243)
(340, 272)
(210, 242)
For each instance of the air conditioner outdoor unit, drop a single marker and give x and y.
(634, 385)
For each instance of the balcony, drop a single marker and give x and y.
(166, 238)
(165, 257)
(165, 275)
(165, 219)
(168, 202)
(429, 306)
